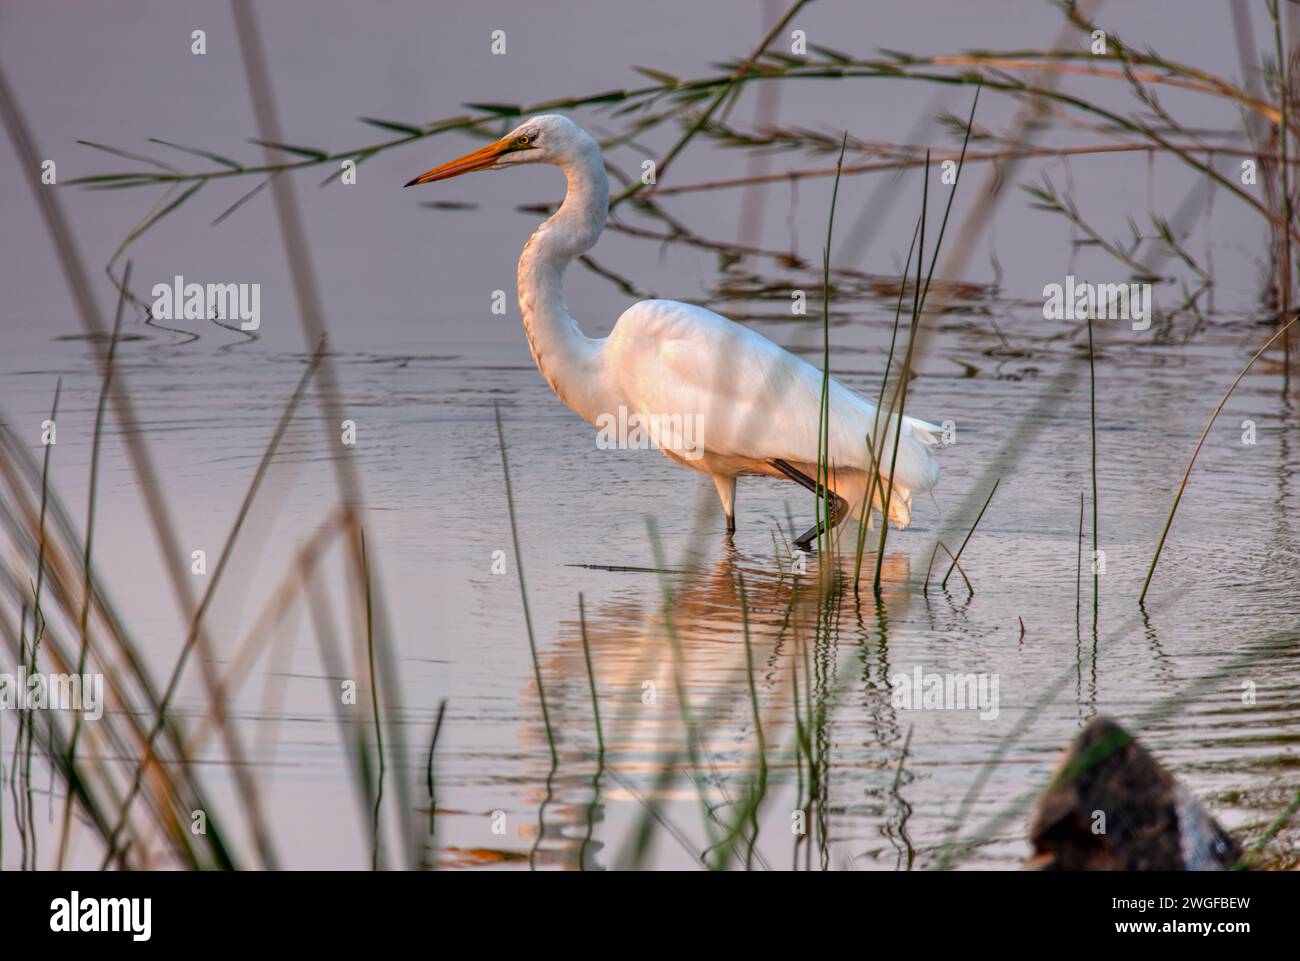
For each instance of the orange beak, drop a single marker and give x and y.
(477, 160)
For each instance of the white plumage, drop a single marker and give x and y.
(755, 403)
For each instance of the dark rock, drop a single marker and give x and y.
(1110, 806)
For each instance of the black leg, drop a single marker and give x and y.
(798, 476)
(804, 540)
(838, 504)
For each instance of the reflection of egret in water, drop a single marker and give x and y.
(820, 714)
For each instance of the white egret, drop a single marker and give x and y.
(755, 404)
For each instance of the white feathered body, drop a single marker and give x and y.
(757, 402)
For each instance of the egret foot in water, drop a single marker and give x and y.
(727, 493)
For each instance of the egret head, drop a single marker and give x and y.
(549, 138)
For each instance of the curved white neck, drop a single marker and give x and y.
(566, 358)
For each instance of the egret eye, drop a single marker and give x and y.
(523, 140)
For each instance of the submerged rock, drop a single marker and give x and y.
(1110, 806)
